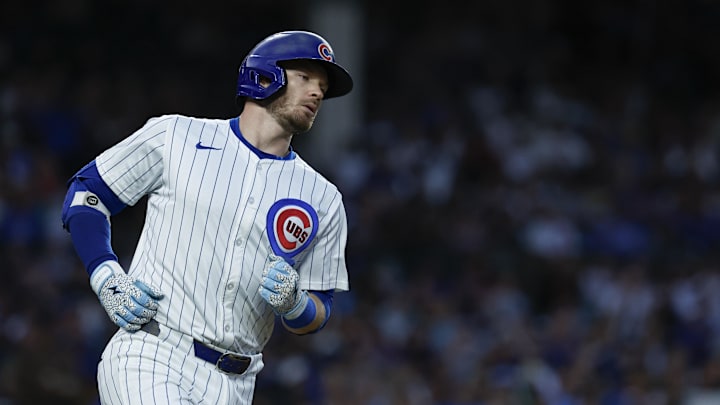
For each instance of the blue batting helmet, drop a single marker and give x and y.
(263, 61)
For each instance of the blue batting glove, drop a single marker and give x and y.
(279, 287)
(129, 303)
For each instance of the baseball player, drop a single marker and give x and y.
(239, 230)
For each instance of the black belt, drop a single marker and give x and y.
(230, 363)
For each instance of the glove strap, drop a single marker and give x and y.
(102, 272)
(299, 307)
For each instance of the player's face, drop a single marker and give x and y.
(295, 110)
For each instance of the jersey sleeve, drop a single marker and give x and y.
(133, 167)
(324, 268)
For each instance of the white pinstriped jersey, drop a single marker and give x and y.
(205, 241)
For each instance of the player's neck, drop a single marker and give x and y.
(263, 132)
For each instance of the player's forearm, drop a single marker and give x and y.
(90, 234)
(313, 317)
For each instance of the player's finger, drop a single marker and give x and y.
(151, 291)
(274, 286)
(122, 323)
(281, 266)
(141, 311)
(131, 319)
(277, 274)
(141, 321)
(268, 283)
(144, 300)
(127, 316)
(266, 293)
(132, 327)
(285, 277)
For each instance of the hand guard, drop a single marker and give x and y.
(279, 287)
(130, 303)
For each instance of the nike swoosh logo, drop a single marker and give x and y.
(201, 146)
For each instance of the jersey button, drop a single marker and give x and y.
(251, 200)
(238, 241)
(230, 286)
(227, 328)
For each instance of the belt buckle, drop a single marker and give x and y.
(232, 363)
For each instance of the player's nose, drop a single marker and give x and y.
(317, 94)
(317, 89)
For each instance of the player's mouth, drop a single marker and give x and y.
(311, 107)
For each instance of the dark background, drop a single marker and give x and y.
(532, 195)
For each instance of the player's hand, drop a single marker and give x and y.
(130, 303)
(279, 287)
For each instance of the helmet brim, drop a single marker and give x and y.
(340, 81)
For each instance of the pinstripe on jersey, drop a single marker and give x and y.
(204, 242)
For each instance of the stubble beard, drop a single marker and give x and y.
(290, 120)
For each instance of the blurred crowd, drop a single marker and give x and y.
(532, 199)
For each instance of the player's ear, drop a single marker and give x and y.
(264, 81)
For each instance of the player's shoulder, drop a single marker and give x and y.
(175, 121)
(319, 177)
(185, 118)
(156, 119)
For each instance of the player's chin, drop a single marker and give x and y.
(308, 118)
(302, 124)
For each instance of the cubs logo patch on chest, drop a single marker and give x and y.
(291, 226)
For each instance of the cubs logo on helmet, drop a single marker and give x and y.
(291, 226)
(326, 52)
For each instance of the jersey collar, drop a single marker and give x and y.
(235, 125)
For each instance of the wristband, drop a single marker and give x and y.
(299, 307)
(102, 272)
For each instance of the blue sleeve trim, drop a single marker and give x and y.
(308, 316)
(88, 178)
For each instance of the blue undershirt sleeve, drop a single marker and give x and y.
(90, 232)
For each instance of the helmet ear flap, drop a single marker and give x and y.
(254, 77)
(259, 81)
